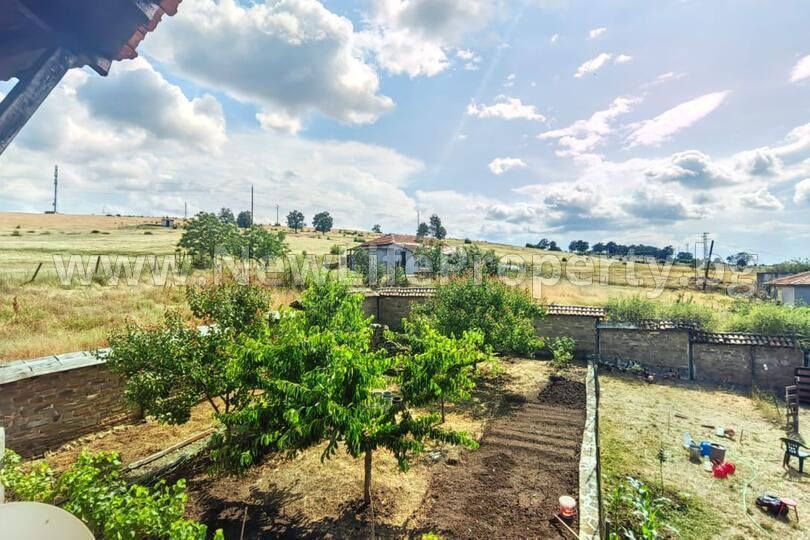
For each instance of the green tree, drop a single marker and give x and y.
(295, 220)
(245, 219)
(436, 367)
(169, 368)
(505, 315)
(322, 222)
(316, 383)
(437, 230)
(422, 230)
(226, 216)
(376, 229)
(578, 246)
(206, 235)
(264, 245)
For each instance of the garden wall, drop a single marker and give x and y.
(728, 359)
(581, 329)
(49, 401)
(662, 349)
(722, 363)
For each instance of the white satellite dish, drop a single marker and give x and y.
(37, 521)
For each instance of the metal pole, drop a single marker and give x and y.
(55, 186)
(2, 455)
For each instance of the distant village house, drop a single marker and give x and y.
(791, 290)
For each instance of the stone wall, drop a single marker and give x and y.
(722, 363)
(47, 402)
(590, 499)
(773, 367)
(581, 329)
(389, 310)
(661, 349)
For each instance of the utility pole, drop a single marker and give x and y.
(251, 205)
(706, 276)
(185, 210)
(418, 220)
(55, 185)
(705, 246)
(277, 221)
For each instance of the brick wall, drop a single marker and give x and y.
(668, 349)
(44, 411)
(722, 363)
(581, 329)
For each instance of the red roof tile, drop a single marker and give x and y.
(746, 339)
(419, 292)
(388, 239)
(158, 8)
(796, 279)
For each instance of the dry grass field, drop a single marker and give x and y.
(636, 419)
(49, 316)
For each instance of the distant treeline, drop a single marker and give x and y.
(614, 249)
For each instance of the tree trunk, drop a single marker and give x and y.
(442, 410)
(367, 480)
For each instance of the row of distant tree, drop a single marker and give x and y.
(614, 249)
(321, 222)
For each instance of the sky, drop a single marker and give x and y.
(513, 120)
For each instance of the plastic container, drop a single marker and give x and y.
(717, 453)
(568, 506)
(705, 448)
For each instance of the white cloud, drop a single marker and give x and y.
(801, 194)
(761, 199)
(553, 39)
(137, 96)
(415, 36)
(138, 168)
(759, 162)
(584, 135)
(656, 206)
(290, 57)
(596, 32)
(623, 59)
(506, 108)
(593, 65)
(691, 169)
(801, 70)
(659, 129)
(499, 166)
(665, 77)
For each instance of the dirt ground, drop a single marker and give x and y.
(636, 419)
(527, 459)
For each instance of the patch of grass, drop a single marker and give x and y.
(688, 514)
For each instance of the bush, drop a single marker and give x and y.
(15, 232)
(637, 309)
(562, 352)
(505, 315)
(771, 319)
(337, 249)
(93, 490)
(632, 310)
(635, 512)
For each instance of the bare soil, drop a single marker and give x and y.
(510, 486)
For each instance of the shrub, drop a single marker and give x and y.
(15, 232)
(93, 490)
(771, 319)
(505, 315)
(632, 310)
(562, 352)
(337, 249)
(147, 233)
(94, 231)
(635, 512)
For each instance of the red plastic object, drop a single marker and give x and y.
(722, 470)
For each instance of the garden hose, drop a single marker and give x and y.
(745, 490)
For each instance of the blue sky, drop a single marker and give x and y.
(629, 120)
